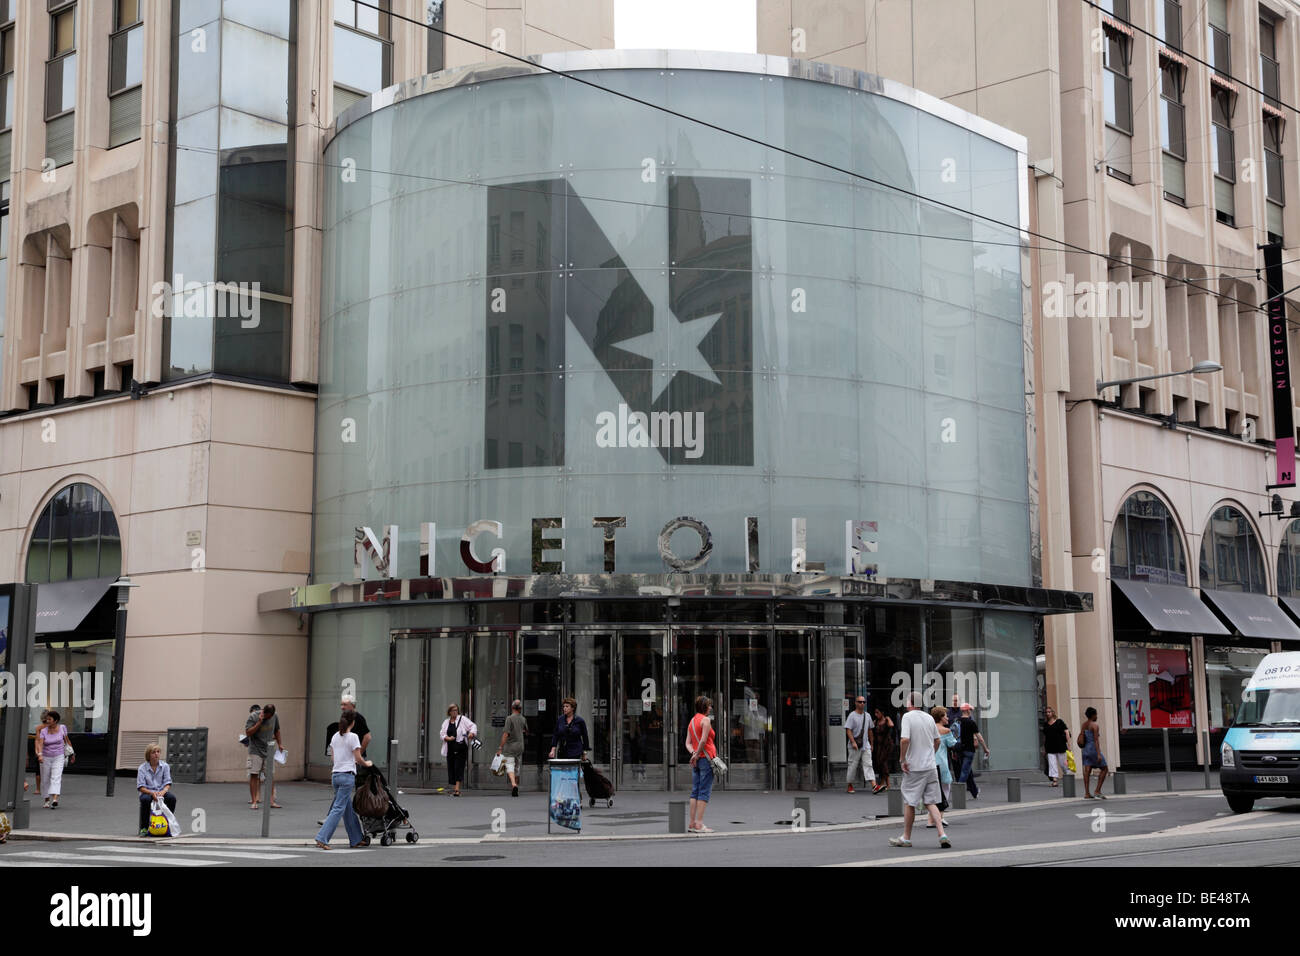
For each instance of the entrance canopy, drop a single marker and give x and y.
(1172, 609)
(63, 605)
(1253, 615)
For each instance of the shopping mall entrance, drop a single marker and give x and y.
(779, 695)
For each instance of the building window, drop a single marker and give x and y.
(125, 73)
(76, 537)
(1219, 43)
(1116, 8)
(1173, 129)
(435, 15)
(1288, 562)
(1268, 70)
(61, 82)
(1231, 558)
(363, 51)
(1273, 172)
(1145, 544)
(1169, 23)
(1118, 92)
(7, 51)
(1223, 156)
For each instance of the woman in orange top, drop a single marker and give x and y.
(699, 741)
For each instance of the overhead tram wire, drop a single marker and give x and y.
(1064, 245)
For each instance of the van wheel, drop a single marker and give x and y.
(1240, 804)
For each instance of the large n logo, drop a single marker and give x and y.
(684, 371)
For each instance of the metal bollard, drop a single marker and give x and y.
(803, 804)
(676, 816)
(1169, 774)
(1205, 742)
(1013, 789)
(895, 800)
(1120, 783)
(957, 798)
(1067, 786)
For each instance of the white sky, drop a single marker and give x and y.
(686, 25)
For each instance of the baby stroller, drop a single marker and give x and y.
(598, 785)
(370, 782)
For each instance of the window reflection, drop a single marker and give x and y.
(1231, 557)
(75, 537)
(1145, 544)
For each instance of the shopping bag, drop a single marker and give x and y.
(498, 765)
(281, 756)
(1069, 761)
(157, 822)
(173, 825)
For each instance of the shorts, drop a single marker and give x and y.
(702, 780)
(256, 766)
(921, 788)
(514, 764)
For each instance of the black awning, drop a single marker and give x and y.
(1169, 608)
(62, 606)
(1253, 615)
(1292, 605)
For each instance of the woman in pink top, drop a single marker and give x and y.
(699, 741)
(51, 746)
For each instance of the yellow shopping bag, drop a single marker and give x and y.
(1069, 761)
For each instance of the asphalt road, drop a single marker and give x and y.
(1175, 831)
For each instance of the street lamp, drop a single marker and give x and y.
(123, 587)
(1200, 368)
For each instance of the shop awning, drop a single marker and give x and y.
(1253, 615)
(1169, 608)
(1292, 605)
(62, 606)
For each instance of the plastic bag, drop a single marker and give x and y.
(1069, 761)
(498, 765)
(281, 756)
(158, 824)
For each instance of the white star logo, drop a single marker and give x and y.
(678, 339)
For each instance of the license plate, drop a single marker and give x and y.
(1272, 780)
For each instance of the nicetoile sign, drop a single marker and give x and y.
(547, 552)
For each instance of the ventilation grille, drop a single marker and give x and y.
(124, 117)
(130, 751)
(58, 139)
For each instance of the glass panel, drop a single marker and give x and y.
(1224, 165)
(1227, 671)
(695, 673)
(345, 11)
(128, 12)
(541, 697)
(1007, 708)
(842, 667)
(1273, 175)
(749, 716)
(63, 32)
(410, 730)
(448, 684)
(1273, 218)
(257, 346)
(38, 551)
(794, 701)
(1220, 51)
(84, 543)
(1224, 204)
(252, 241)
(60, 534)
(1169, 23)
(591, 675)
(1231, 558)
(642, 720)
(110, 542)
(7, 61)
(368, 17)
(92, 663)
(61, 85)
(436, 41)
(491, 704)
(1218, 13)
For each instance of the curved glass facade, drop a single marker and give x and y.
(542, 300)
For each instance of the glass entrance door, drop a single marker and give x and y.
(796, 649)
(641, 753)
(410, 737)
(591, 683)
(748, 723)
(696, 658)
(539, 663)
(489, 703)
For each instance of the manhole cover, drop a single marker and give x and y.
(470, 859)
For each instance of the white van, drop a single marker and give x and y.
(1261, 752)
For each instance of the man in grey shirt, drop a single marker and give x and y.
(260, 728)
(512, 745)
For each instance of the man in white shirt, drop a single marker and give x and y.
(920, 740)
(857, 727)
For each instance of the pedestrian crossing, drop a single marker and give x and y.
(110, 855)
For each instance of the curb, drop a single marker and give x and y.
(489, 838)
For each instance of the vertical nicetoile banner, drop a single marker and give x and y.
(1281, 366)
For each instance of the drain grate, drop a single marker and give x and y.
(470, 859)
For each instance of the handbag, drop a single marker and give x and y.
(942, 804)
(1081, 740)
(370, 799)
(1069, 761)
(68, 750)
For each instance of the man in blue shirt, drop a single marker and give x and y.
(154, 782)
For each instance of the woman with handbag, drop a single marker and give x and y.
(947, 740)
(457, 734)
(700, 742)
(882, 748)
(1056, 742)
(345, 750)
(52, 747)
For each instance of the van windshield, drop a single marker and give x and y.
(1269, 708)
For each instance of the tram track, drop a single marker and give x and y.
(1195, 848)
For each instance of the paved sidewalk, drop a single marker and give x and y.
(85, 813)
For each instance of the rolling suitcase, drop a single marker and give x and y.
(598, 785)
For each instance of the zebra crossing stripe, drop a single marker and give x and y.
(144, 857)
(161, 852)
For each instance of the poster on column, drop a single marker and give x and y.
(1155, 688)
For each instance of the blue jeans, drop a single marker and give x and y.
(341, 808)
(967, 775)
(702, 779)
